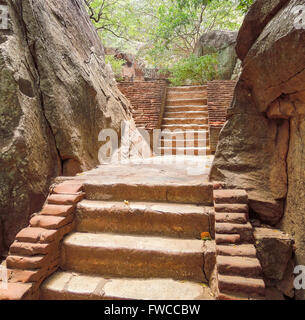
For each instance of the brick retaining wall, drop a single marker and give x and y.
(147, 99)
(220, 95)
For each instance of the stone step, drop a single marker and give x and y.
(187, 108)
(203, 143)
(243, 250)
(185, 127)
(186, 114)
(186, 95)
(231, 208)
(143, 218)
(187, 88)
(231, 217)
(190, 151)
(133, 257)
(227, 238)
(186, 102)
(185, 135)
(195, 193)
(244, 230)
(185, 121)
(230, 196)
(240, 285)
(74, 286)
(238, 266)
(239, 297)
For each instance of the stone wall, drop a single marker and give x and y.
(147, 99)
(220, 95)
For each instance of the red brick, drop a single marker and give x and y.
(230, 196)
(65, 199)
(68, 187)
(31, 249)
(16, 291)
(57, 210)
(37, 235)
(50, 222)
(24, 263)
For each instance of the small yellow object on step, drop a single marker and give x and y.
(205, 236)
(126, 202)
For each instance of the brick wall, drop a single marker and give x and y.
(147, 99)
(220, 95)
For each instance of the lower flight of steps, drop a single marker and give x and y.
(185, 122)
(239, 272)
(144, 250)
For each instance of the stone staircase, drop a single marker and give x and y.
(239, 272)
(150, 249)
(185, 122)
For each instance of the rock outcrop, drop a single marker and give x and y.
(56, 94)
(221, 42)
(262, 144)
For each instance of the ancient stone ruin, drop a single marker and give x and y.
(206, 204)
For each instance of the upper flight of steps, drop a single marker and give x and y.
(145, 250)
(186, 111)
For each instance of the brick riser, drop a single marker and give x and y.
(239, 272)
(186, 110)
(35, 253)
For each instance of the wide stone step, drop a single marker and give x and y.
(186, 95)
(144, 218)
(190, 151)
(203, 143)
(241, 285)
(243, 250)
(186, 114)
(185, 135)
(185, 121)
(187, 88)
(134, 257)
(195, 193)
(75, 286)
(184, 127)
(185, 102)
(238, 266)
(187, 108)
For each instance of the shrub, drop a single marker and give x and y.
(194, 70)
(116, 65)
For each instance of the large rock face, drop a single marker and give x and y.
(223, 43)
(262, 145)
(55, 96)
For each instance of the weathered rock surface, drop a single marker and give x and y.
(222, 42)
(55, 97)
(262, 145)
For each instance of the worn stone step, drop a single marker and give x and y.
(173, 95)
(187, 88)
(230, 196)
(185, 134)
(195, 193)
(231, 208)
(74, 286)
(243, 250)
(222, 217)
(241, 285)
(227, 238)
(190, 151)
(186, 102)
(184, 127)
(133, 256)
(143, 218)
(185, 121)
(244, 230)
(186, 114)
(185, 143)
(238, 297)
(238, 266)
(187, 108)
